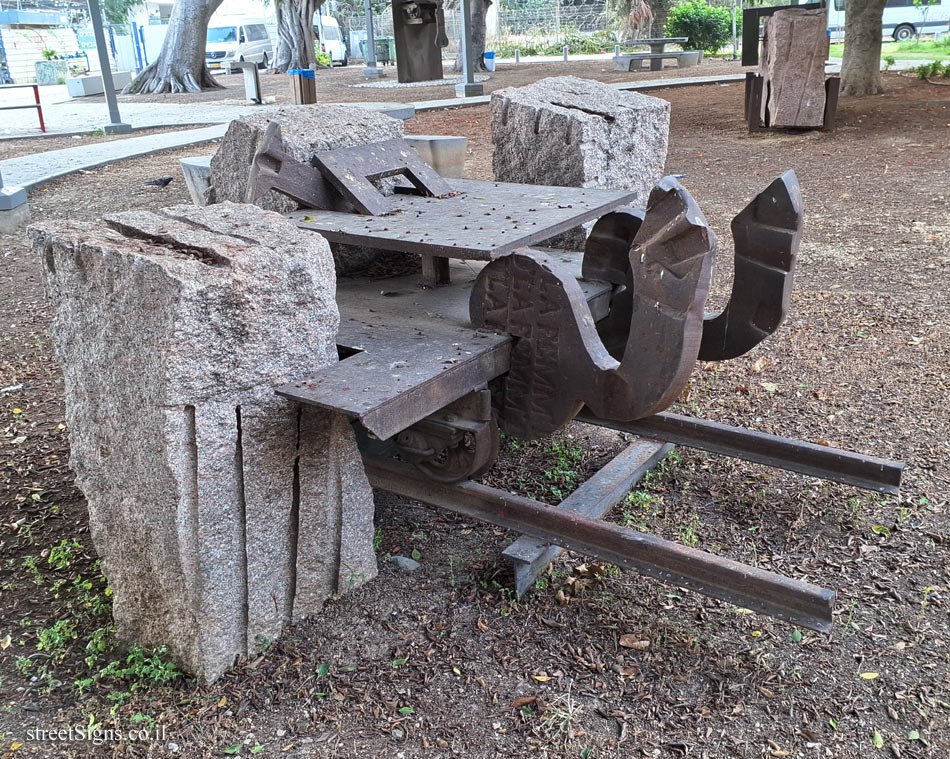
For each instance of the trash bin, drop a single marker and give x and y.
(489, 60)
(385, 50)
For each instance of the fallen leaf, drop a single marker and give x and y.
(869, 675)
(878, 740)
(759, 364)
(913, 735)
(223, 701)
(636, 642)
(483, 627)
(541, 678)
(769, 387)
(523, 701)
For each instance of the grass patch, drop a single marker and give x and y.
(910, 50)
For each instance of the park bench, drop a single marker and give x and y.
(633, 61)
(36, 105)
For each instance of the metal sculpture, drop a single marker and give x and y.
(637, 360)
(527, 343)
(419, 29)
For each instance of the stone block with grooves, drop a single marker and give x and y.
(574, 132)
(306, 130)
(794, 51)
(220, 510)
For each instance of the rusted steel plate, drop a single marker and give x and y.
(794, 601)
(530, 556)
(399, 381)
(882, 475)
(486, 220)
(767, 233)
(274, 169)
(559, 361)
(350, 171)
(415, 350)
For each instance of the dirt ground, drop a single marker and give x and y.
(445, 661)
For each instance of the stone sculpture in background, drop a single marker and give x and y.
(792, 64)
(220, 510)
(419, 29)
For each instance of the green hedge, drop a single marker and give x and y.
(708, 28)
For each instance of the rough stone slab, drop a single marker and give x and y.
(574, 132)
(794, 51)
(197, 174)
(172, 329)
(305, 130)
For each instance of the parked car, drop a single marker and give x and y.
(330, 39)
(237, 40)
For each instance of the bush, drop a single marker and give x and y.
(708, 28)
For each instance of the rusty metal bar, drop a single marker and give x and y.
(794, 601)
(882, 475)
(529, 556)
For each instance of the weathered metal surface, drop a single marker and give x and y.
(607, 258)
(419, 29)
(559, 362)
(797, 602)
(352, 171)
(766, 234)
(530, 556)
(414, 351)
(828, 463)
(459, 441)
(487, 220)
(274, 169)
(832, 90)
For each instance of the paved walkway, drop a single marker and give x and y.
(72, 117)
(32, 170)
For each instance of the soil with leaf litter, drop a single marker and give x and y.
(594, 662)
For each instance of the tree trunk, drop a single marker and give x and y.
(478, 31)
(661, 11)
(861, 64)
(180, 66)
(295, 35)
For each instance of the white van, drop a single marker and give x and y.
(902, 18)
(239, 39)
(329, 38)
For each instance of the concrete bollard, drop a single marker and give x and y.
(567, 49)
(517, 56)
(616, 49)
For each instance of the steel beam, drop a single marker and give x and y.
(882, 475)
(794, 601)
(529, 556)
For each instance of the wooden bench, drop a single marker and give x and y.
(632, 61)
(36, 105)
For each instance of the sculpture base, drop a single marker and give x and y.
(468, 90)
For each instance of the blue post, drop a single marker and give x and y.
(136, 47)
(144, 49)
